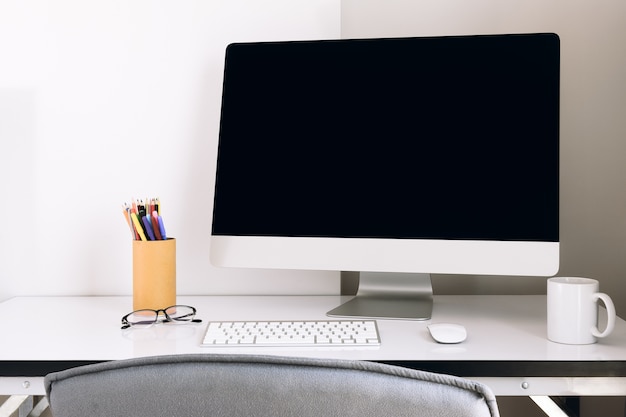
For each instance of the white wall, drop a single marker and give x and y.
(105, 100)
(593, 117)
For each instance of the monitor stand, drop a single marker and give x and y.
(390, 295)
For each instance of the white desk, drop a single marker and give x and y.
(506, 346)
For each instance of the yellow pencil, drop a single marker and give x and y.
(138, 227)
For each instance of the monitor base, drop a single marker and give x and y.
(390, 295)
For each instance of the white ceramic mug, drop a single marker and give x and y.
(573, 310)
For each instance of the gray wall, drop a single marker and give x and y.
(593, 118)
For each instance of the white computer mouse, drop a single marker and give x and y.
(447, 332)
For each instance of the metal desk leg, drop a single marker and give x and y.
(23, 405)
(556, 407)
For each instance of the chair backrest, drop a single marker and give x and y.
(241, 385)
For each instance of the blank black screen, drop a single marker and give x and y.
(438, 138)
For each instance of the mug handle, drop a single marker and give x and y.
(610, 311)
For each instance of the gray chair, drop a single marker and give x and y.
(242, 385)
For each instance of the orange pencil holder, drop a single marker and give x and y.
(154, 274)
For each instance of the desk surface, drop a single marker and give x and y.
(506, 345)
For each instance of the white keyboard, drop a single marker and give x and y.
(335, 333)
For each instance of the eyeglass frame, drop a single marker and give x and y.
(126, 324)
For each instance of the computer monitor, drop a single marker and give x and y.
(398, 158)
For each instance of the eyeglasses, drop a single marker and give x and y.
(145, 318)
